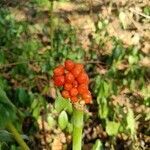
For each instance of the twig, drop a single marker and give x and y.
(44, 133)
(137, 25)
(13, 64)
(94, 62)
(91, 6)
(141, 14)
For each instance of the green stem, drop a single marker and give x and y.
(77, 129)
(17, 136)
(51, 25)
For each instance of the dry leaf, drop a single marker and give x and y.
(145, 62)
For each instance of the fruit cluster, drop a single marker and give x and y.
(74, 81)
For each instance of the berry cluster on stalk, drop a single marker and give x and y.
(74, 80)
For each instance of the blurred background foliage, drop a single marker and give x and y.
(35, 37)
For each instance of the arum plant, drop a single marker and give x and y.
(73, 80)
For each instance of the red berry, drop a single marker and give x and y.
(74, 99)
(69, 65)
(82, 88)
(69, 78)
(67, 86)
(73, 92)
(77, 70)
(59, 80)
(58, 71)
(87, 97)
(65, 94)
(75, 84)
(83, 78)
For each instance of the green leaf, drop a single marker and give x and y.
(106, 88)
(14, 147)
(36, 106)
(63, 104)
(132, 59)
(2, 57)
(42, 3)
(80, 54)
(4, 146)
(63, 120)
(4, 99)
(103, 108)
(69, 128)
(7, 114)
(23, 97)
(3, 116)
(112, 128)
(98, 145)
(100, 25)
(5, 136)
(147, 10)
(118, 52)
(3, 83)
(147, 117)
(131, 121)
(34, 103)
(6, 109)
(100, 93)
(123, 18)
(51, 121)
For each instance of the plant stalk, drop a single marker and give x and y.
(17, 136)
(77, 129)
(51, 25)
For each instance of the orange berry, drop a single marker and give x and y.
(73, 92)
(69, 78)
(82, 88)
(67, 86)
(79, 66)
(77, 70)
(59, 80)
(69, 65)
(58, 71)
(65, 94)
(87, 100)
(74, 99)
(87, 97)
(83, 78)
